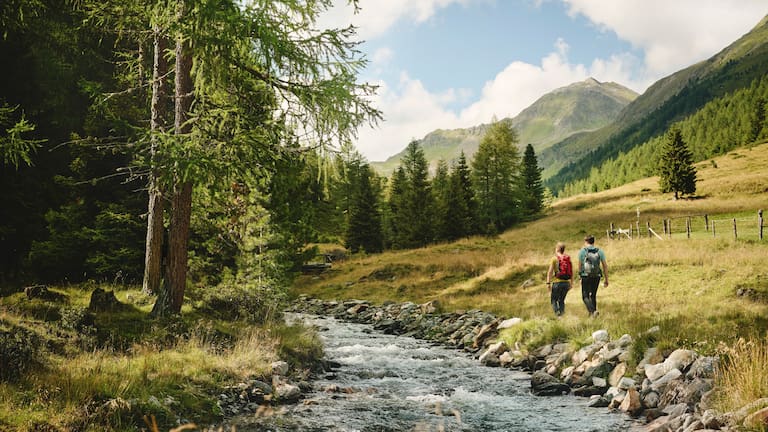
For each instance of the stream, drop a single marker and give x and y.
(397, 383)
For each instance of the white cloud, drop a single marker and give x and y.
(673, 34)
(411, 111)
(375, 17)
(382, 56)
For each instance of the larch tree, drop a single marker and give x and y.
(676, 171)
(311, 72)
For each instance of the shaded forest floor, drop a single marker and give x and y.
(67, 366)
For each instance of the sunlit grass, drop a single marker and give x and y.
(742, 379)
(686, 287)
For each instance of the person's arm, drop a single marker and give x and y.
(580, 258)
(550, 273)
(605, 272)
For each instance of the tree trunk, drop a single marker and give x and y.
(181, 201)
(154, 245)
(181, 204)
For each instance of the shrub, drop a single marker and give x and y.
(19, 353)
(231, 302)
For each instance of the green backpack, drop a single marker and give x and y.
(591, 266)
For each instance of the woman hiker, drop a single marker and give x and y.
(559, 277)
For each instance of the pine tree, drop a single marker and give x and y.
(411, 202)
(396, 221)
(676, 171)
(460, 220)
(495, 174)
(364, 229)
(441, 191)
(532, 190)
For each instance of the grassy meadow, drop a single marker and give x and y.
(687, 287)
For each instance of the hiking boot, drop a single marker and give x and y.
(594, 314)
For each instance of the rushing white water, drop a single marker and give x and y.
(396, 383)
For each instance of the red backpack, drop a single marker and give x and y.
(564, 268)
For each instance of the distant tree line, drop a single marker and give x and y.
(414, 208)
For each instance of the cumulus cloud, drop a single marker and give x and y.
(375, 17)
(685, 32)
(411, 111)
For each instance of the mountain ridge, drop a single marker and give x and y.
(582, 106)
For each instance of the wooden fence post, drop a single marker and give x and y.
(735, 234)
(669, 226)
(706, 222)
(688, 226)
(760, 224)
(714, 234)
(648, 227)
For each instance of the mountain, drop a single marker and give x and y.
(667, 101)
(580, 107)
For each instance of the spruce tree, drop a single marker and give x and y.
(460, 220)
(676, 171)
(396, 220)
(532, 190)
(364, 229)
(411, 201)
(441, 191)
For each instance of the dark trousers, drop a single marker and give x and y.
(589, 292)
(557, 297)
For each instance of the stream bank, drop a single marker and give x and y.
(667, 393)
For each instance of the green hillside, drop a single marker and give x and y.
(583, 106)
(669, 100)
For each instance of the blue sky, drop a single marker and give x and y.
(457, 63)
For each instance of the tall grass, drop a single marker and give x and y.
(742, 378)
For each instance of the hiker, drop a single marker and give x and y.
(559, 277)
(591, 260)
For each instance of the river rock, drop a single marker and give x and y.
(506, 359)
(670, 376)
(601, 336)
(651, 399)
(599, 402)
(430, 307)
(624, 341)
(588, 391)
(543, 384)
(287, 393)
(617, 374)
(280, 368)
(703, 367)
(489, 358)
(631, 403)
(358, 308)
(626, 383)
(681, 359)
(509, 323)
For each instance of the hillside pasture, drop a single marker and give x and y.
(704, 292)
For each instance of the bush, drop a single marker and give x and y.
(232, 302)
(19, 353)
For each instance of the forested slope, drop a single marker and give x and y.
(669, 100)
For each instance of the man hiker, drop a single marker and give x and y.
(592, 267)
(559, 277)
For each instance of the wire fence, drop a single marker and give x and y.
(692, 226)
